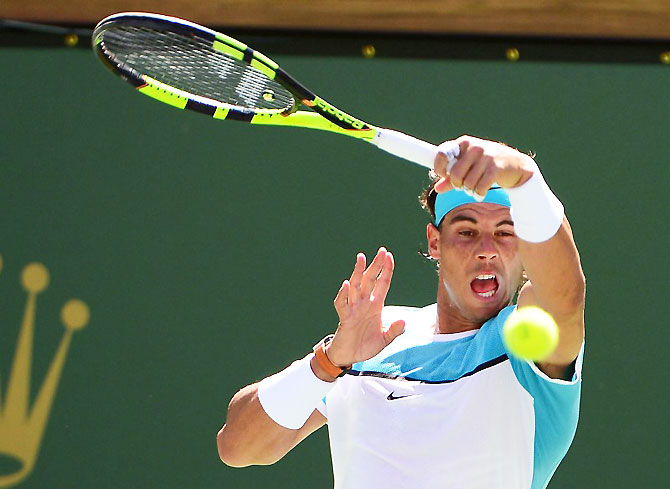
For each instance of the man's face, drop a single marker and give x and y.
(480, 267)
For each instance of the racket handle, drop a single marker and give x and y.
(413, 149)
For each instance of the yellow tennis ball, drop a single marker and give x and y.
(530, 333)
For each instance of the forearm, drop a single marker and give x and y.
(554, 270)
(250, 436)
(266, 420)
(556, 285)
(547, 248)
(551, 260)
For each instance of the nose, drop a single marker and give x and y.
(487, 249)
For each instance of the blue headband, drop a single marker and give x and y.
(448, 201)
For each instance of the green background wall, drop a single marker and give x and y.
(209, 253)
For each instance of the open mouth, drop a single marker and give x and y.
(485, 285)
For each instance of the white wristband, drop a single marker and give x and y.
(536, 211)
(289, 397)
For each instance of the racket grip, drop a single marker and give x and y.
(412, 149)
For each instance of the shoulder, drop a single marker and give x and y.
(499, 319)
(493, 327)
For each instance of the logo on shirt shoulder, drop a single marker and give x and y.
(391, 397)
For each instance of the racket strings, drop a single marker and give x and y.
(191, 64)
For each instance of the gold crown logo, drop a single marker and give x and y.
(22, 426)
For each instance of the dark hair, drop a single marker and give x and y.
(427, 201)
(428, 196)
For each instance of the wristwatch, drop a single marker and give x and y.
(323, 360)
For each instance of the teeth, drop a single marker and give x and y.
(486, 276)
(487, 294)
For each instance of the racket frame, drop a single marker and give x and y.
(325, 116)
(322, 116)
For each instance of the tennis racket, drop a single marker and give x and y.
(192, 67)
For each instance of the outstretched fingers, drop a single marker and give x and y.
(354, 293)
(342, 299)
(383, 283)
(371, 284)
(359, 301)
(373, 271)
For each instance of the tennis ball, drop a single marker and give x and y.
(530, 333)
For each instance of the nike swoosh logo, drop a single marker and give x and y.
(391, 397)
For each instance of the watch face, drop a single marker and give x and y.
(324, 341)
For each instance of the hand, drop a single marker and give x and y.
(482, 163)
(359, 302)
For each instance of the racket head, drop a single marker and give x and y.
(190, 66)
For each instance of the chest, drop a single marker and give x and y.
(482, 409)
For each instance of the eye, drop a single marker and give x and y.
(505, 234)
(466, 232)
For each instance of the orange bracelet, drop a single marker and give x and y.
(323, 360)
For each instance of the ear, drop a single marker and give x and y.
(433, 235)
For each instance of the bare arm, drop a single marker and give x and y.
(251, 437)
(557, 285)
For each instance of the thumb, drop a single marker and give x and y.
(396, 329)
(447, 154)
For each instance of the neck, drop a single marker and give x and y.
(451, 318)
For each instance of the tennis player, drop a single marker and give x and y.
(428, 398)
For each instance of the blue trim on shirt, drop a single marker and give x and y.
(556, 405)
(439, 362)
